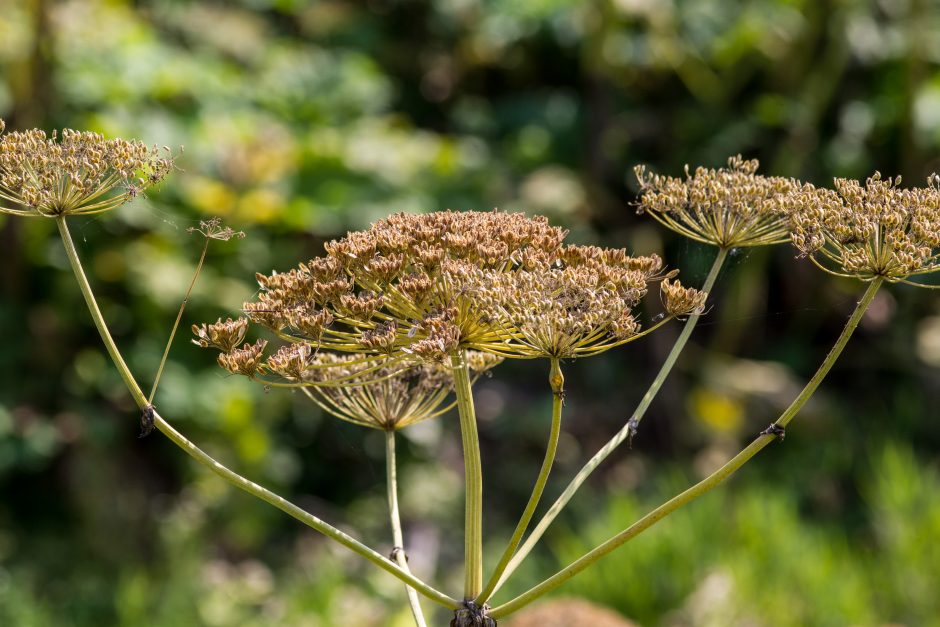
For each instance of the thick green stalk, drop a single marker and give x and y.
(628, 429)
(206, 460)
(707, 484)
(473, 478)
(557, 381)
(398, 552)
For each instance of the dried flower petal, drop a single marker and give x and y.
(290, 361)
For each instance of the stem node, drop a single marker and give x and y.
(775, 430)
(472, 615)
(147, 420)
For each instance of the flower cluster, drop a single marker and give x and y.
(728, 207)
(224, 336)
(681, 301)
(383, 398)
(370, 326)
(878, 229)
(77, 173)
(579, 307)
(430, 285)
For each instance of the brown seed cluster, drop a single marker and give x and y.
(75, 173)
(223, 336)
(581, 306)
(728, 207)
(386, 398)
(430, 285)
(682, 301)
(878, 229)
(246, 361)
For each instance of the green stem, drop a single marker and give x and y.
(206, 460)
(176, 324)
(557, 381)
(706, 484)
(473, 478)
(398, 552)
(619, 437)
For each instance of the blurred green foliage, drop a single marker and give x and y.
(303, 119)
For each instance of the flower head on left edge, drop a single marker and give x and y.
(74, 173)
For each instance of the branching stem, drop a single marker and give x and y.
(557, 381)
(706, 484)
(225, 473)
(618, 439)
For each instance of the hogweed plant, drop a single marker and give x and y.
(394, 323)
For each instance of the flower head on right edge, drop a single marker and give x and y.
(864, 231)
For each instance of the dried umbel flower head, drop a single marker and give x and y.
(878, 229)
(214, 229)
(431, 285)
(728, 207)
(77, 173)
(580, 306)
(387, 398)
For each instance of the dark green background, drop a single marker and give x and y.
(301, 120)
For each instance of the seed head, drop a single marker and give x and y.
(878, 229)
(681, 301)
(580, 306)
(77, 173)
(388, 398)
(728, 207)
(291, 361)
(224, 336)
(429, 285)
(246, 360)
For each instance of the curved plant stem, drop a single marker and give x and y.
(176, 323)
(473, 478)
(225, 473)
(557, 381)
(628, 429)
(398, 552)
(706, 484)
